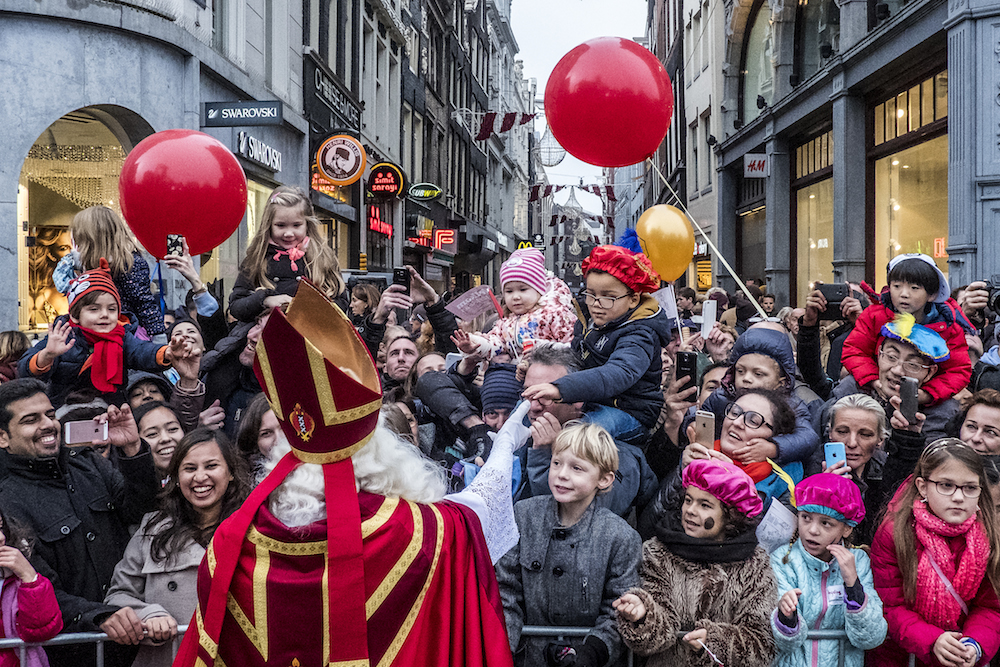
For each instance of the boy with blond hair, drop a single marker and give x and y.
(574, 558)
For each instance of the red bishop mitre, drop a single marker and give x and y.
(325, 390)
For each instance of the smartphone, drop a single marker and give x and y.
(835, 294)
(708, 317)
(175, 244)
(84, 432)
(834, 454)
(908, 388)
(401, 276)
(687, 365)
(704, 428)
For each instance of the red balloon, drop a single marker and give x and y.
(182, 182)
(609, 102)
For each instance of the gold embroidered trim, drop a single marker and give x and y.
(350, 663)
(211, 558)
(286, 548)
(321, 458)
(411, 617)
(326, 611)
(257, 637)
(272, 389)
(320, 378)
(206, 642)
(377, 520)
(379, 595)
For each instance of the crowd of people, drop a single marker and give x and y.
(827, 467)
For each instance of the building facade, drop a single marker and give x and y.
(853, 131)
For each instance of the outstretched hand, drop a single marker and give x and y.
(122, 429)
(60, 341)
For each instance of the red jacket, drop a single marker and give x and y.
(908, 631)
(861, 349)
(30, 612)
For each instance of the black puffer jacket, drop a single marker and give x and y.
(621, 363)
(227, 380)
(79, 507)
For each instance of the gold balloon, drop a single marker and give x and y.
(667, 239)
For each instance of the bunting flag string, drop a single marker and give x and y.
(487, 125)
(542, 190)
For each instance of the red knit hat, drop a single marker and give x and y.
(95, 280)
(633, 269)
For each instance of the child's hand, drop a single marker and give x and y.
(949, 649)
(545, 394)
(463, 342)
(160, 629)
(756, 450)
(696, 638)
(789, 602)
(178, 348)
(12, 559)
(60, 341)
(630, 607)
(277, 301)
(845, 558)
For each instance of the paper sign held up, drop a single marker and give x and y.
(474, 303)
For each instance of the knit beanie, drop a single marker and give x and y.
(500, 390)
(526, 265)
(95, 280)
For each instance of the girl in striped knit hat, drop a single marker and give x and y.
(539, 307)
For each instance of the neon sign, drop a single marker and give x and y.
(438, 239)
(375, 222)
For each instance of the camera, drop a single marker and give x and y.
(993, 287)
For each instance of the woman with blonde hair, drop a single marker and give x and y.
(100, 232)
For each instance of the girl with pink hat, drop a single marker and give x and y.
(707, 587)
(824, 585)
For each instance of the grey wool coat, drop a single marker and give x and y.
(154, 588)
(732, 601)
(566, 576)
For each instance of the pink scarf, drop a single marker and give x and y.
(296, 253)
(934, 602)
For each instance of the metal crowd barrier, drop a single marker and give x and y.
(560, 633)
(68, 638)
(556, 632)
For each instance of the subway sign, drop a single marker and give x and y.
(424, 192)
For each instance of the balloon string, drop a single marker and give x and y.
(718, 253)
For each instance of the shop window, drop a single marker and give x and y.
(814, 156)
(817, 35)
(751, 243)
(758, 63)
(74, 164)
(911, 204)
(814, 222)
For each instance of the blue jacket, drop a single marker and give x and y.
(795, 446)
(64, 376)
(621, 363)
(822, 606)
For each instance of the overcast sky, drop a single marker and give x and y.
(545, 31)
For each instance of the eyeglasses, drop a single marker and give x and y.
(751, 418)
(948, 489)
(606, 302)
(908, 366)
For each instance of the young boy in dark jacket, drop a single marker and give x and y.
(620, 347)
(94, 348)
(574, 558)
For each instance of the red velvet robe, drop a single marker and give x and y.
(430, 589)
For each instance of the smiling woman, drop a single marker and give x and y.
(158, 574)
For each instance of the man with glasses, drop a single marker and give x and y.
(903, 351)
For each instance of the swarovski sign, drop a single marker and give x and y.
(230, 114)
(255, 150)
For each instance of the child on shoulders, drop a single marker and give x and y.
(573, 559)
(823, 584)
(94, 338)
(620, 347)
(918, 287)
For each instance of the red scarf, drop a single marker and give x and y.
(758, 470)
(934, 602)
(294, 253)
(106, 363)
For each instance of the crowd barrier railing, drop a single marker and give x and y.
(70, 638)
